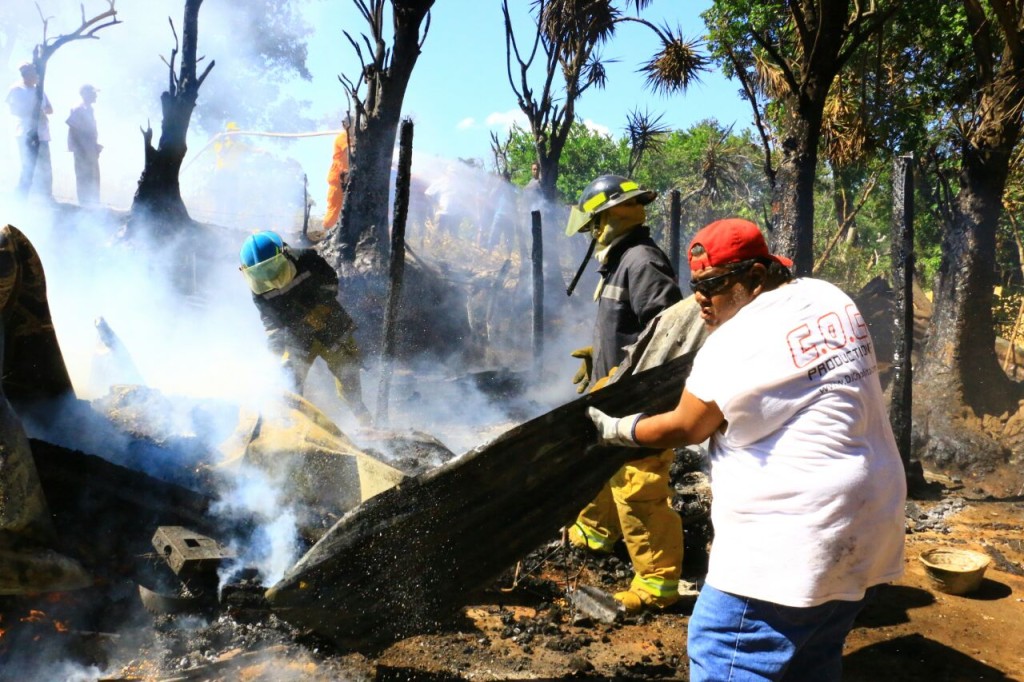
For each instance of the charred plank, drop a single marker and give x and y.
(405, 560)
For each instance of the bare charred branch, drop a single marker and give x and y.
(86, 31)
(426, 30)
(206, 72)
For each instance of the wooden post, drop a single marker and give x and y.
(537, 255)
(902, 251)
(396, 269)
(306, 208)
(675, 219)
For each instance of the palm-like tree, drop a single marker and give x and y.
(569, 36)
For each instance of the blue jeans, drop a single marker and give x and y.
(738, 639)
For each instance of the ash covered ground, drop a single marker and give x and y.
(526, 626)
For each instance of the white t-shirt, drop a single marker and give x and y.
(808, 489)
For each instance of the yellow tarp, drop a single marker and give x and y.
(299, 446)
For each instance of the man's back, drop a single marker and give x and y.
(806, 470)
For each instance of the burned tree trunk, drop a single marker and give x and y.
(961, 369)
(397, 269)
(793, 194)
(903, 330)
(360, 243)
(158, 197)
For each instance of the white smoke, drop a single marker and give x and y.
(273, 547)
(203, 339)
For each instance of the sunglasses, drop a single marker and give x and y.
(712, 285)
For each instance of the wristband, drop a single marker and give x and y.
(632, 429)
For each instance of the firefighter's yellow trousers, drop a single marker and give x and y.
(635, 506)
(343, 363)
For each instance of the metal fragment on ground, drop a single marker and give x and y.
(596, 603)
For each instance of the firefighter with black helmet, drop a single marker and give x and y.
(636, 283)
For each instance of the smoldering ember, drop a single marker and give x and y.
(256, 427)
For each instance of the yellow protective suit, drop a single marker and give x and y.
(343, 361)
(635, 506)
(336, 180)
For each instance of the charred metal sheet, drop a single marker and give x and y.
(411, 556)
(189, 554)
(168, 604)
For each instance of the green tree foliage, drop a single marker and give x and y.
(787, 56)
(587, 154)
(716, 170)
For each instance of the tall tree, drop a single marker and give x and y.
(790, 52)
(362, 236)
(158, 197)
(569, 36)
(960, 361)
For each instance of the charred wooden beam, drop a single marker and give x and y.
(397, 268)
(902, 251)
(537, 256)
(106, 514)
(406, 559)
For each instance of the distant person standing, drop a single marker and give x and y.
(32, 129)
(533, 199)
(337, 176)
(82, 142)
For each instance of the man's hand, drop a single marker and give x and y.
(615, 430)
(582, 376)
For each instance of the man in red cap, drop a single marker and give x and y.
(807, 484)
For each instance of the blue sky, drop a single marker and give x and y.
(460, 91)
(458, 94)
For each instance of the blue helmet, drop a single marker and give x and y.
(259, 247)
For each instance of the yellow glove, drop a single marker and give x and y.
(603, 381)
(582, 376)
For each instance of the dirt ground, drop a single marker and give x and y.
(911, 632)
(523, 628)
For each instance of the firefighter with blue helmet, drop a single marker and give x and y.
(296, 293)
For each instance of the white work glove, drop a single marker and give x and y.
(615, 430)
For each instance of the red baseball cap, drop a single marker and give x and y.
(729, 241)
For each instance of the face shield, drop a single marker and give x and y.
(579, 221)
(270, 274)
